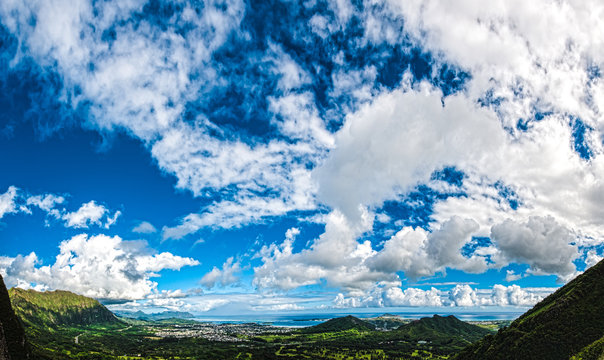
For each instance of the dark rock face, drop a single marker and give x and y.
(3, 346)
(13, 344)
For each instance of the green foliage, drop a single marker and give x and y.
(60, 327)
(340, 324)
(558, 327)
(438, 327)
(55, 308)
(593, 351)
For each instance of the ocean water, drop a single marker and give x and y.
(302, 320)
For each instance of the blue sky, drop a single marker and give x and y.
(241, 157)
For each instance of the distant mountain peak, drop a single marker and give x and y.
(443, 326)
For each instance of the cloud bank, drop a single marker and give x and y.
(97, 266)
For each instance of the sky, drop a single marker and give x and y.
(241, 157)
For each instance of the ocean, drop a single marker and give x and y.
(309, 319)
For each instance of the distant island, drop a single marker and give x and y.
(140, 315)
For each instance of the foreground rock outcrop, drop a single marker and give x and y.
(13, 343)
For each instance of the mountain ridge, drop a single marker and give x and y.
(58, 307)
(340, 324)
(436, 326)
(558, 327)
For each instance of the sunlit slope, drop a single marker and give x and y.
(443, 328)
(340, 324)
(56, 308)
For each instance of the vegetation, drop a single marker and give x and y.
(443, 330)
(561, 325)
(340, 324)
(55, 308)
(13, 344)
(593, 351)
(567, 324)
(63, 325)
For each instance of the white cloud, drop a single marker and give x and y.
(462, 295)
(419, 253)
(335, 256)
(47, 202)
(112, 219)
(339, 259)
(541, 243)
(90, 213)
(510, 276)
(513, 295)
(525, 56)
(144, 227)
(592, 258)
(223, 277)
(397, 141)
(413, 297)
(142, 81)
(536, 53)
(252, 169)
(7, 201)
(97, 266)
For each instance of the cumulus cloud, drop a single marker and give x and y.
(413, 297)
(144, 227)
(223, 277)
(513, 295)
(418, 252)
(339, 259)
(462, 295)
(397, 141)
(541, 243)
(335, 256)
(592, 258)
(97, 266)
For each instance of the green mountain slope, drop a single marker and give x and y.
(13, 344)
(56, 308)
(340, 324)
(556, 328)
(593, 351)
(443, 328)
